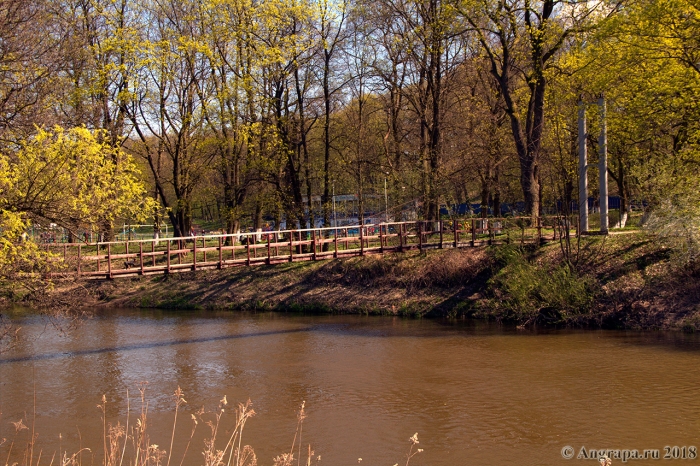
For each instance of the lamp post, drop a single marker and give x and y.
(335, 219)
(386, 203)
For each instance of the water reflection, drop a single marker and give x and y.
(477, 393)
(140, 346)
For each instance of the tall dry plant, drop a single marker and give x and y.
(414, 441)
(238, 455)
(287, 459)
(130, 443)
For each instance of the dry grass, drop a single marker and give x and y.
(130, 444)
(412, 271)
(372, 284)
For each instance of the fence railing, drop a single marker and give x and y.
(168, 255)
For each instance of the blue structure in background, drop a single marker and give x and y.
(518, 208)
(475, 209)
(614, 202)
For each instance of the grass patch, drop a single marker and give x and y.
(521, 290)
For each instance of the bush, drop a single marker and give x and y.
(677, 222)
(526, 293)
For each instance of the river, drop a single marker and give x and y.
(476, 393)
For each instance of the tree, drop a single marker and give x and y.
(649, 54)
(521, 40)
(385, 37)
(331, 24)
(231, 112)
(73, 178)
(166, 110)
(284, 45)
(29, 64)
(98, 62)
(430, 28)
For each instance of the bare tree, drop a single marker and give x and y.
(167, 110)
(28, 65)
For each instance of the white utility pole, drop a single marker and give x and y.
(582, 169)
(603, 166)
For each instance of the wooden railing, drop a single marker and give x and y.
(168, 255)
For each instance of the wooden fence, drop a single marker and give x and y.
(168, 255)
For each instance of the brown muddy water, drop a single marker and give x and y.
(476, 394)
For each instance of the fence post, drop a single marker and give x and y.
(335, 242)
(168, 254)
(313, 241)
(539, 231)
(362, 240)
(489, 229)
(65, 252)
(194, 253)
(473, 241)
(109, 260)
(268, 250)
(153, 250)
(441, 235)
(291, 246)
(420, 236)
(141, 256)
(79, 258)
(455, 226)
(401, 228)
(381, 238)
(221, 256)
(247, 249)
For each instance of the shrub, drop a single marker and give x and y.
(677, 222)
(526, 293)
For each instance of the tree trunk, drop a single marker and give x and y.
(484, 196)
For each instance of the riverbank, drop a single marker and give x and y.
(622, 281)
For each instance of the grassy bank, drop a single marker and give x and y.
(405, 284)
(622, 281)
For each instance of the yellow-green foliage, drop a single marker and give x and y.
(646, 59)
(21, 261)
(73, 178)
